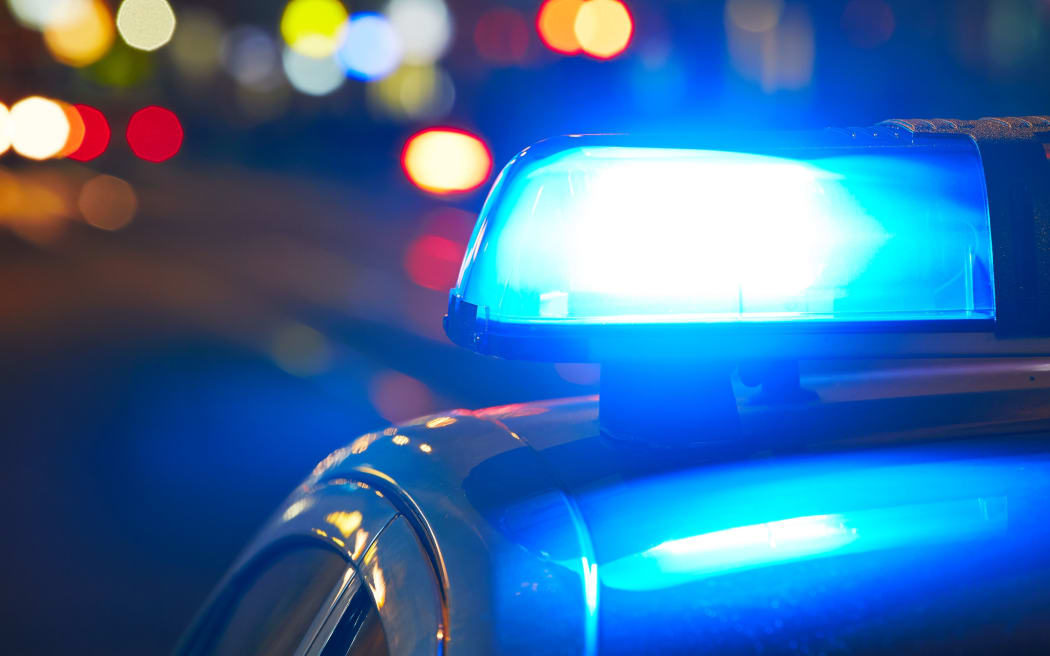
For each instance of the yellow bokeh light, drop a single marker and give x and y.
(145, 24)
(81, 34)
(107, 202)
(413, 92)
(5, 128)
(312, 27)
(444, 161)
(196, 47)
(603, 28)
(300, 350)
(39, 127)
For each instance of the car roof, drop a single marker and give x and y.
(550, 532)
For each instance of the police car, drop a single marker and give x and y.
(711, 499)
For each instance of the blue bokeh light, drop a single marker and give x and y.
(369, 48)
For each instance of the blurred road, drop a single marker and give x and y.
(151, 416)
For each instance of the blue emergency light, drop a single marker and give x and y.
(880, 242)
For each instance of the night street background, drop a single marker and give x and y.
(172, 371)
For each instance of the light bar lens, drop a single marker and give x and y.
(609, 234)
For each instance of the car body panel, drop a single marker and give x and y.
(544, 535)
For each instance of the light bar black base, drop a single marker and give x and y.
(670, 405)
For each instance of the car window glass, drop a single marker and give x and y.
(273, 611)
(359, 632)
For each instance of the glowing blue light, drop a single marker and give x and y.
(369, 48)
(799, 538)
(600, 234)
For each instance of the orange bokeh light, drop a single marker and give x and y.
(556, 24)
(603, 28)
(444, 161)
(76, 130)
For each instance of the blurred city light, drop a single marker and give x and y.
(412, 93)
(196, 46)
(603, 28)
(556, 24)
(754, 15)
(35, 206)
(107, 202)
(443, 161)
(791, 63)
(1014, 31)
(5, 128)
(37, 14)
(502, 35)
(433, 262)
(311, 27)
(154, 133)
(450, 223)
(121, 67)
(260, 104)
(81, 33)
(10, 192)
(250, 56)
(423, 27)
(369, 48)
(300, 350)
(39, 127)
(96, 134)
(76, 131)
(868, 23)
(312, 75)
(398, 398)
(145, 24)
(779, 57)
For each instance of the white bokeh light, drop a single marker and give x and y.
(146, 24)
(39, 127)
(424, 28)
(38, 14)
(310, 75)
(5, 128)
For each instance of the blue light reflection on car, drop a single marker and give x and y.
(819, 548)
(685, 559)
(597, 233)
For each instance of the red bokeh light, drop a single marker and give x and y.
(96, 134)
(397, 397)
(154, 133)
(502, 35)
(450, 223)
(433, 262)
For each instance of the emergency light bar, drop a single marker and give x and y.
(908, 239)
